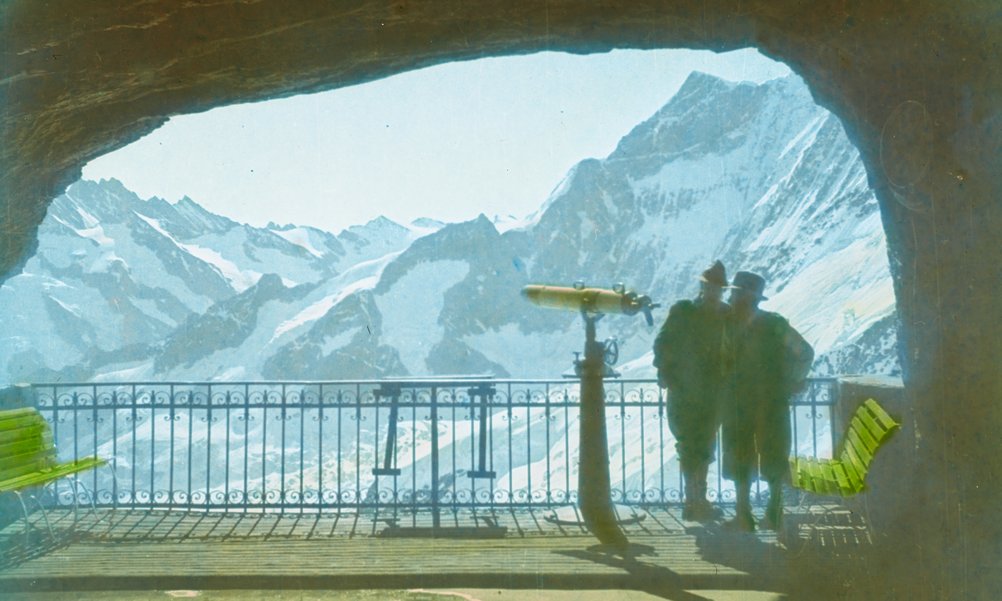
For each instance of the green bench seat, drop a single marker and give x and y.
(28, 454)
(845, 476)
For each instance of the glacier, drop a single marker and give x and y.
(128, 289)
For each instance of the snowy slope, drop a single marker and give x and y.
(758, 176)
(755, 175)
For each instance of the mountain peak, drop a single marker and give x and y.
(382, 221)
(378, 226)
(197, 216)
(703, 83)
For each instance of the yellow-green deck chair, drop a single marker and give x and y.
(845, 475)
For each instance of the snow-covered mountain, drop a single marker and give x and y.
(124, 289)
(116, 279)
(755, 175)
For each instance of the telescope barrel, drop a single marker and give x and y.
(593, 300)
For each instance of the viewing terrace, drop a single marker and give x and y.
(461, 482)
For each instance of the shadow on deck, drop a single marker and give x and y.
(149, 550)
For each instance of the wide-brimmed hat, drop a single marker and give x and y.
(715, 275)
(749, 282)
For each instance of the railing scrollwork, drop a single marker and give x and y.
(314, 445)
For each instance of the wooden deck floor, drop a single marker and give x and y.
(118, 549)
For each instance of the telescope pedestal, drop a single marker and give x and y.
(594, 490)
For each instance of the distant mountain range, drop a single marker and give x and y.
(756, 175)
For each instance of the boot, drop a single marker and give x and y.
(702, 510)
(688, 506)
(743, 520)
(774, 510)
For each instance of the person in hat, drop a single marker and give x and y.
(768, 363)
(689, 354)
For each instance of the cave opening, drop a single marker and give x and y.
(302, 214)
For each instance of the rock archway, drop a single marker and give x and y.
(918, 86)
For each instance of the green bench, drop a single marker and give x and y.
(28, 455)
(845, 476)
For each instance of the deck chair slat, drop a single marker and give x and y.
(886, 421)
(25, 464)
(828, 477)
(9, 415)
(50, 474)
(818, 479)
(863, 434)
(21, 420)
(878, 432)
(854, 475)
(845, 487)
(35, 429)
(854, 439)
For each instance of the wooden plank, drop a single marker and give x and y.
(23, 466)
(860, 450)
(863, 435)
(35, 443)
(35, 429)
(12, 419)
(858, 466)
(828, 478)
(855, 478)
(817, 478)
(547, 553)
(882, 416)
(48, 473)
(846, 488)
(876, 430)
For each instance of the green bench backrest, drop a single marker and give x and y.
(26, 444)
(869, 428)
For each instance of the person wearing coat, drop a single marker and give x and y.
(689, 356)
(768, 363)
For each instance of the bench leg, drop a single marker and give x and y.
(27, 522)
(76, 498)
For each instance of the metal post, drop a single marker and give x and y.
(391, 391)
(436, 519)
(594, 490)
(484, 391)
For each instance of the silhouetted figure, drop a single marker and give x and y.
(770, 361)
(688, 353)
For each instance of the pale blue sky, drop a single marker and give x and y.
(490, 136)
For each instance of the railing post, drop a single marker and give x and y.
(392, 392)
(484, 391)
(436, 520)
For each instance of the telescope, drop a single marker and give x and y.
(594, 489)
(591, 300)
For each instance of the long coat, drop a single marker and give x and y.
(689, 355)
(769, 363)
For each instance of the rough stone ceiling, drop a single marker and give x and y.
(917, 84)
(81, 80)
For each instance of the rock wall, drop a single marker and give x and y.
(916, 83)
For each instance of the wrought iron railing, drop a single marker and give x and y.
(435, 443)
